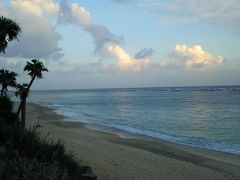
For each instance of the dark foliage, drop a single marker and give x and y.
(9, 31)
(5, 104)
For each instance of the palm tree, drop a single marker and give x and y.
(35, 69)
(7, 78)
(9, 31)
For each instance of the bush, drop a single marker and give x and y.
(31, 156)
(5, 104)
(6, 115)
(25, 168)
(8, 119)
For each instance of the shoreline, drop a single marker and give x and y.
(122, 133)
(177, 156)
(126, 136)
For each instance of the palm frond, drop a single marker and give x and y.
(9, 30)
(35, 68)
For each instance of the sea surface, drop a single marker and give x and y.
(207, 117)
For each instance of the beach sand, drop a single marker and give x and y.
(136, 157)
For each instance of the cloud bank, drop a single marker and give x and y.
(41, 40)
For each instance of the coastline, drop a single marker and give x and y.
(134, 157)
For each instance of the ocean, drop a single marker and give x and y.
(206, 117)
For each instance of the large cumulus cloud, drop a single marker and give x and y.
(125, 62)
(194, 57)
(38, 38)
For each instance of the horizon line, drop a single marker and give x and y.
(138, 87)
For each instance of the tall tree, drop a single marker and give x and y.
(35, 69)
(7, 78)
(9, 30)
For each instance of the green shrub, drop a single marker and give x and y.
(31, 156)
(30, 143)
(8, 131)
(6, 114)
(25, 168)
(2, 160)
(5, 104)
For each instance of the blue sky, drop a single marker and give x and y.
(128, 43)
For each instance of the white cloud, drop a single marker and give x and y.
(193, 58)
(39, 39)
(181, 58)
(36, 7)
(78, 15)
(125, 62)
(81, 15)
(75, 14)
(106, 43)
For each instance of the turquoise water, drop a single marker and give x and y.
(207, 117)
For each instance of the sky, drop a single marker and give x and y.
(126, 43)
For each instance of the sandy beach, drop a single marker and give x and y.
(136, 157)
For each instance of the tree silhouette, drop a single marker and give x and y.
(9, 31)
(7, 78)
(35, 69)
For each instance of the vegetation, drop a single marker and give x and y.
(7, 78)
(35, 69)
(8, 32)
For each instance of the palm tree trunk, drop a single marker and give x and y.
(4, 87)
(30, 84)
(2, 91)
(22, 105)
(19, 107)
(23, 112)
